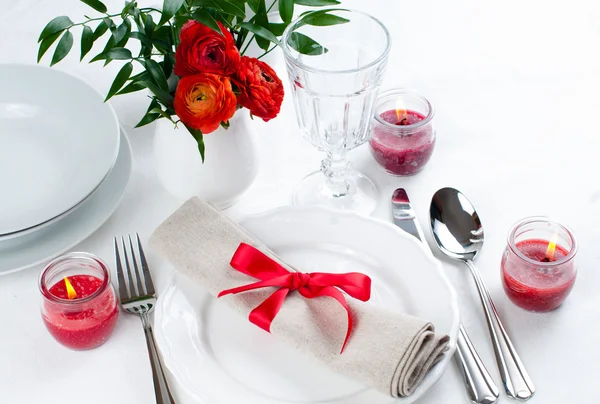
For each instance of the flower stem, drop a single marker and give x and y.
(247, 45)
(267, 52)
(112, 15)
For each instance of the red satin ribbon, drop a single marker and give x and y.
(253, 262)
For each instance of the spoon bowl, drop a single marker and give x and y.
(456, 227)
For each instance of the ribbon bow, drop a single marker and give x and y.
(252, 262)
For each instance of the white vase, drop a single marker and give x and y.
(229, 168)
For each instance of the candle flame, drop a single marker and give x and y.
(551, 247)
(401, 109)
(71, 294)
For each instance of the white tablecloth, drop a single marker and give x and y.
(517, 90)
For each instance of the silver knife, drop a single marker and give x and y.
(478, 382)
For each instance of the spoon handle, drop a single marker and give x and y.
(480, 386)
(517, 383)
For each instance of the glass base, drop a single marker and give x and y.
(361, 196)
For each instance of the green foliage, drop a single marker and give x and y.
(197, 134)
(305, 45)
(156, 31)
(286, 10)
(87, 41)
(62, 49)
(317, 3)
(58, 24)
(323, 18)
(46, 42)
(120, 80)
(96, 5)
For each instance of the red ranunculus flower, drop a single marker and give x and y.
(261, 91)
(202, 50)
(203, 101)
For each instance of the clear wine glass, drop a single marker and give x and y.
(335, 60)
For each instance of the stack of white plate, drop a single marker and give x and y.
(64, 163)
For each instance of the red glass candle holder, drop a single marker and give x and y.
(538, 265)
(403, 134)
(79, 306)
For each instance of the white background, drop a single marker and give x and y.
(516, 85)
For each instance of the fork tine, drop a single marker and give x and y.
(138, 275)
(133, 292)
(122, 286)
(147, 275)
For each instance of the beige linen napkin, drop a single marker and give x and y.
(388, 351)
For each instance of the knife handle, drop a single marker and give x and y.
(480, 385)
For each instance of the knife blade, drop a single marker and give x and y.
(480, 386)
(404, 215)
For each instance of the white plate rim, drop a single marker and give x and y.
(124, 145)
(115, 121)
(431, 379)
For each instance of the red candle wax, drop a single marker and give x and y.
(85, 325)
(537, 288)
(399, 151)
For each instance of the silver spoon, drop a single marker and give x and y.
(457, 231)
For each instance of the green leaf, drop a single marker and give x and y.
(114, 54)
(277, 28)
(167, 65)
(58, 24)
(101, 29)
(254, 5)
(261, 32)
(96, 5)
(156, 73)
(120, 80)
(164, 96)
(120, 32)
(119, 54)
(170, 8)
(87, 41)
(323, 19)
(46, 43)
(316, 3)
(225, 6)
(143, 38)
(205, 18)
(131, 88)
(163, 113)
(197, 134)
(140, 76)
(148, 118)
(286, 10)
(305, 45)
(62, 49)
(149, 25)
(129, 5)
(231, 8)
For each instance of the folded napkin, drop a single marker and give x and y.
(388, 351)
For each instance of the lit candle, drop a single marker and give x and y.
(538, 266)
(403, 137)
(79, 306)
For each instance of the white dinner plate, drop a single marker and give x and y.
(50, 241)
(58, 141)
(215, 356)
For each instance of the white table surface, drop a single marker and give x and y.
(517, 90)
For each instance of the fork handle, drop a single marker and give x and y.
(161, 387)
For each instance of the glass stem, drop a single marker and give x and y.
(336, 169)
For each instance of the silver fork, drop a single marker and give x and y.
(137, 295)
